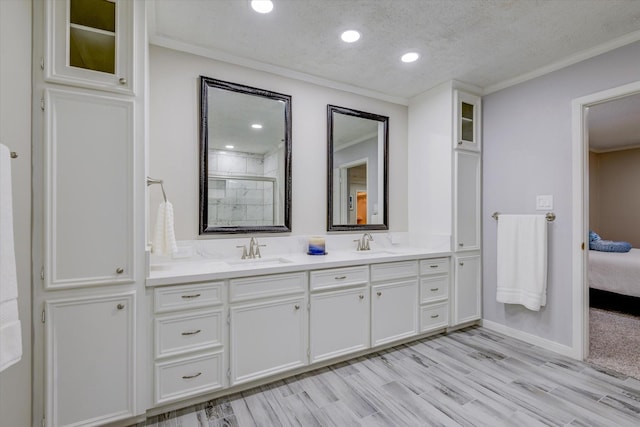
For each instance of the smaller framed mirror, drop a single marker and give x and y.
(245, 159)
(357, 170)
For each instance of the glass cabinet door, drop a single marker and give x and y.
(467, 135)
(89, 43)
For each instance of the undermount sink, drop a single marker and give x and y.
(259, 262)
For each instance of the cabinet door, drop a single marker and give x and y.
(88, 189)
(339, 323)
(89, 43)
(267, 337)
(467, 114)
(394, 311)
(467, 289)
(467, 202)
(89, 357)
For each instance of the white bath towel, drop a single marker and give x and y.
(10, 330)
(165, 237)
(522, 260)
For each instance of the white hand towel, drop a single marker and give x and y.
(522, 260)
(165, 237)
(10, 330)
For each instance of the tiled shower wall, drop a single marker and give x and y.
(242, 200)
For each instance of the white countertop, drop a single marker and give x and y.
(173, 272)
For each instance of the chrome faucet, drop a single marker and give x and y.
(363, 242)
(254, 248)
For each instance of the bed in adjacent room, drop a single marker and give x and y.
(615, 272)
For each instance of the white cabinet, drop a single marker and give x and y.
(89, 43)
(467, 121)
(90, 359)
(339, 318)
(89, 191)
(467, 289)
(189, 340)
(268, 325)
(467, 200)
(339, 323)
(394, 301)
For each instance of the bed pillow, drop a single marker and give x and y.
(593, 236)
(609, 246)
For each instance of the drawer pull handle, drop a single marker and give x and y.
(297, 306)
(433, 266)
(361, 296)
(435, 316)
(340, 277)
(434, 289)
(379, 293)
(188, 377)
(190, 296)
(192, 332)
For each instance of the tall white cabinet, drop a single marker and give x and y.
(445, 170)
(89, 64)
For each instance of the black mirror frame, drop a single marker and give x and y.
(331, 109)
(204, 227)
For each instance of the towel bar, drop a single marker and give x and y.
(151, 181)
(550, 216)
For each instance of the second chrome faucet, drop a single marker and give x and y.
(254, 249)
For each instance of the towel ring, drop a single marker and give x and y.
(151, 181)
(550, 216)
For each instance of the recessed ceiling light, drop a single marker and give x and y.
(262, 6)
(350, 36)
(256, 126)
(229, 147)
(409, 57)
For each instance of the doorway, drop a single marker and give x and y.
(580, 131)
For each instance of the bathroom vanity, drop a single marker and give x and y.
(232, 324)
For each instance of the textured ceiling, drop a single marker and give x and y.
(480, 42)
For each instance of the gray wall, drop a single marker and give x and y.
(15, 132)
(527, 151)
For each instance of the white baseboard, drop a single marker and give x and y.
(530, 338)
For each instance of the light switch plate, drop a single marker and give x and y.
(544, 203)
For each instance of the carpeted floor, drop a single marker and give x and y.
(614, 341)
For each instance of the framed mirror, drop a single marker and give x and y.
(358, 175)
(245, 159)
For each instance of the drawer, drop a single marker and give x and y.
(434, 316)
(188, 332)
(434, 266)
(339, 277)
(393, 270)
(187, 377)
(183, 297)
(267, 286)
(434, 288)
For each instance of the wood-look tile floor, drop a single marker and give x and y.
(472, 377)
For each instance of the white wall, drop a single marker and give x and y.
(526, 152)
(173, 140)
(15, 132)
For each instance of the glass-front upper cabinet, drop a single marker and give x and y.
(90, 43)
(467, 113)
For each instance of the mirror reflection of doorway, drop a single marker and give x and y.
(357, 193)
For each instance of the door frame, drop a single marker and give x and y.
(580, 192)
